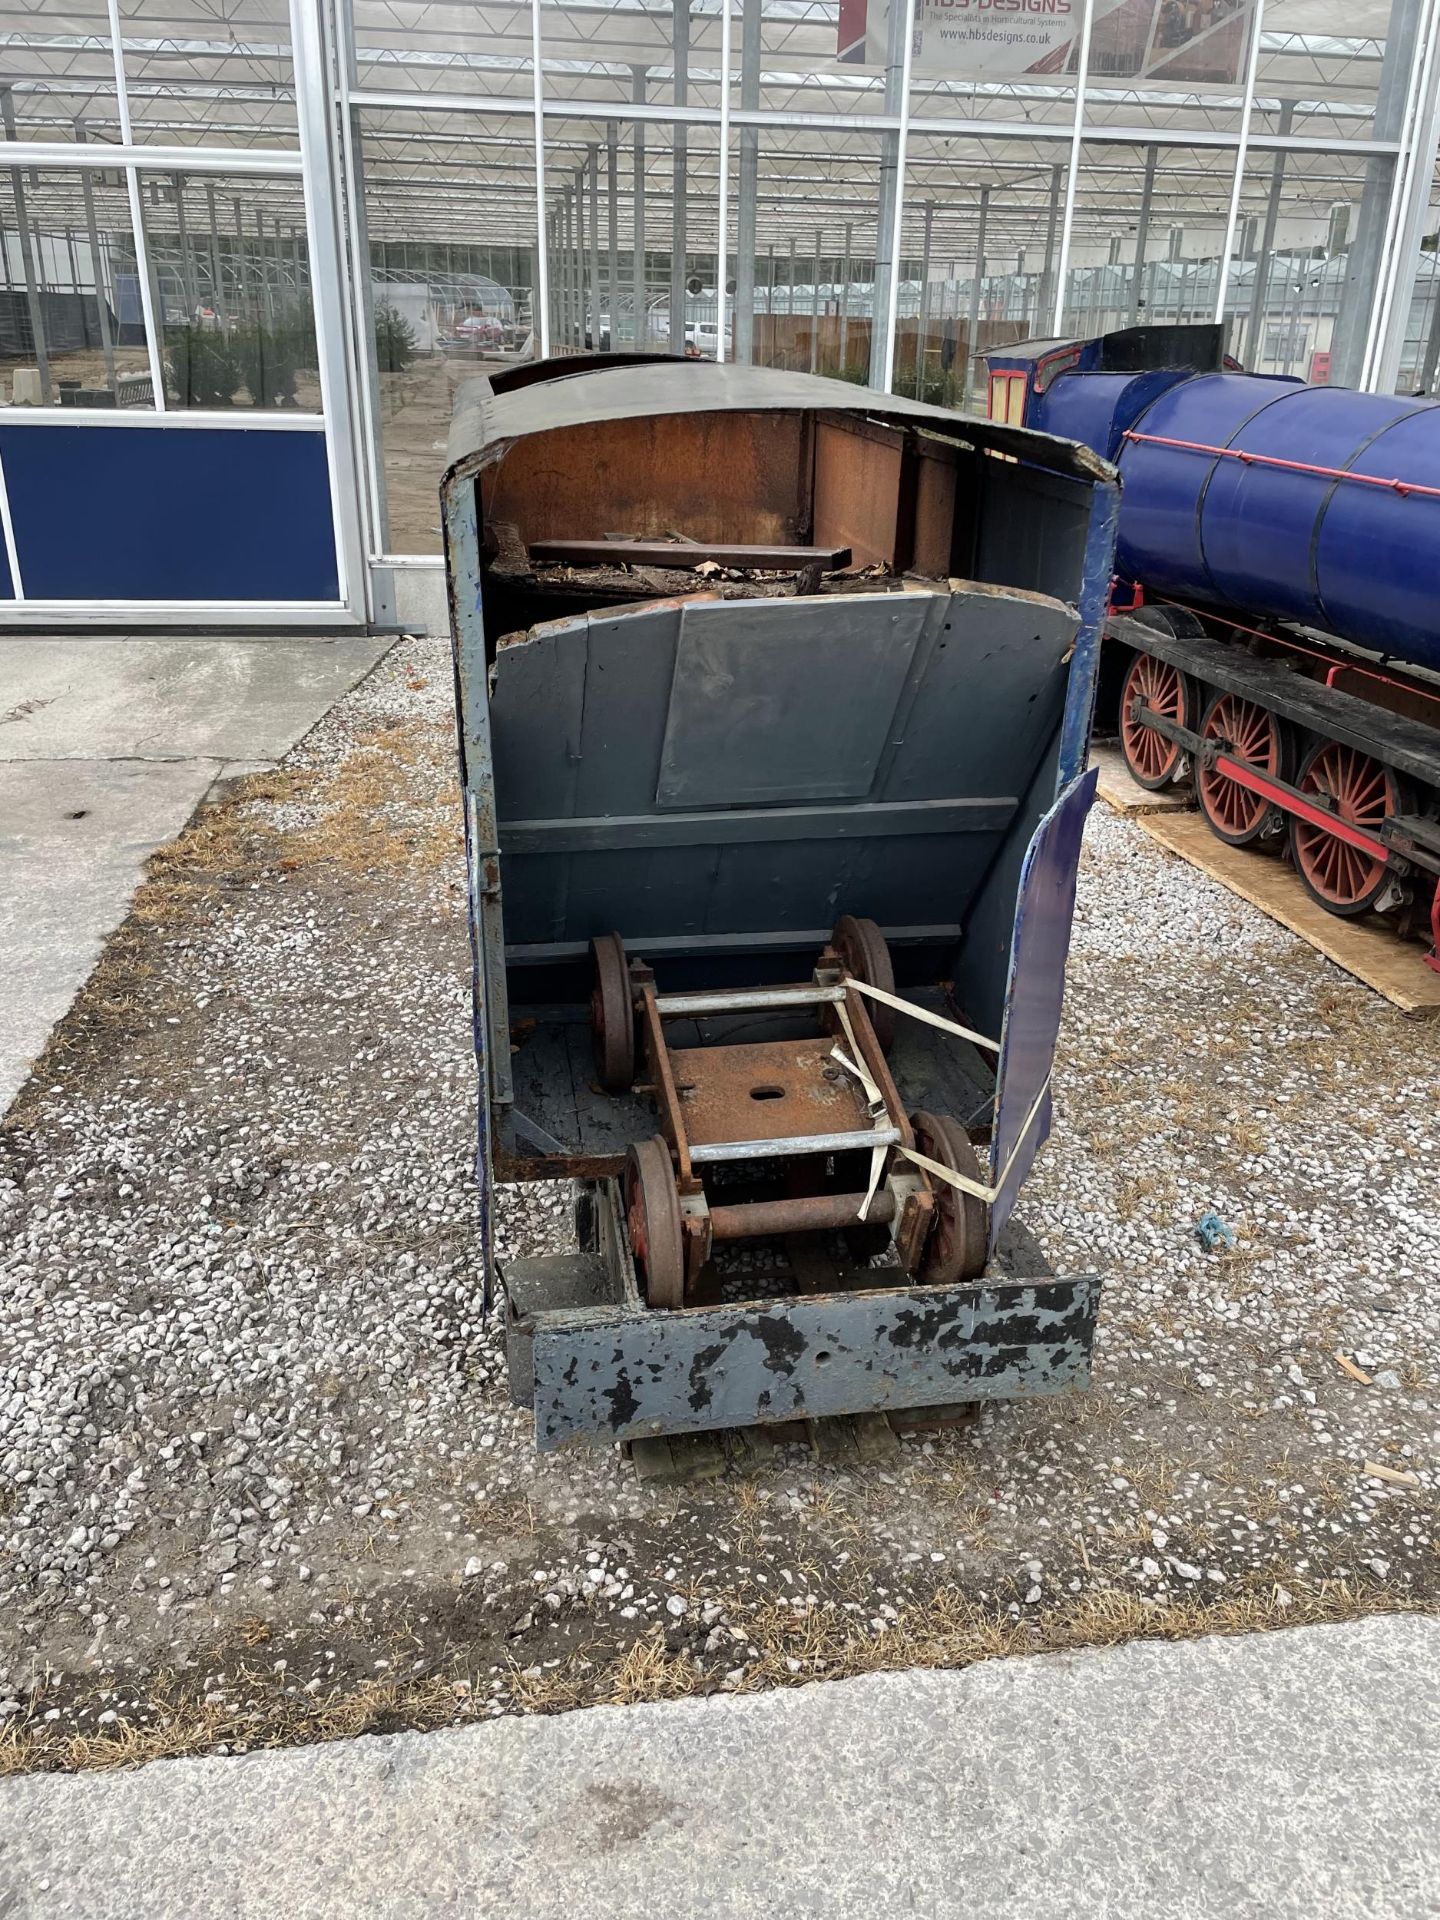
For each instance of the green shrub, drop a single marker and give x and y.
(202, 366)
(395, 341)
(267, 364)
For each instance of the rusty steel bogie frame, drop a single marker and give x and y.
(704, 1097)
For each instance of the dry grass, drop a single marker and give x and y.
(948, 1630)
(392, 802)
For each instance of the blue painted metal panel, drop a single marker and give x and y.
(1036, 993)
(1359, 561)
(7, 585)
(1097, 408)
(185, 513)
(1259, 521)
(1377, 552)
(1159, 539)
(1093, 605)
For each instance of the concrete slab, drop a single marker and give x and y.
(74, 839)
(106, 749)
(161, 699)
(1283, 1774)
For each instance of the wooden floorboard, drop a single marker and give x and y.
(1371, 952)
(1122, 794)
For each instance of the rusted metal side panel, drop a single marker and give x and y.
(607, 1374)
(857, 489)
(936, 485)
(722, 477)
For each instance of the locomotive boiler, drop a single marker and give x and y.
(1276, 612)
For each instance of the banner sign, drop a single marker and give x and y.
(1176, 40)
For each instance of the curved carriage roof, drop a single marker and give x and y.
(490, 415)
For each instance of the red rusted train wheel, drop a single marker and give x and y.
(863, 953)
(612, 1017)
(652, 1219)
(1344, 879)
(1160, 688)
(955, 1249)
(1232, 812)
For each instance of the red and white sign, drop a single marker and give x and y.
(1185, 40)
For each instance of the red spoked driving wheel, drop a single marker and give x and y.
(1232, 812)
(1344, 879)
(1159, 688)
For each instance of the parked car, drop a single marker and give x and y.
(703, 336)
(479, 330)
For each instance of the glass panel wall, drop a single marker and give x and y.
(198, 74)
(980, 255)
(977, 225)
(1148, 237)
(804, 213)
(72, 331)
(230, 289)
(58, 81)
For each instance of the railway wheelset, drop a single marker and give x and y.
(822, 1117)
(1291, 765)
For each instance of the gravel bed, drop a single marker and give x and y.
(259, 1475)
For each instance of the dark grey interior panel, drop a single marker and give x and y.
(1033, 528)
(753, 715)
(612, 734)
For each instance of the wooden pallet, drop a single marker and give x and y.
(1371, 952)
(1122, 794)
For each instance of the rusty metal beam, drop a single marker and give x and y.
(687, 555)
(808, 1213)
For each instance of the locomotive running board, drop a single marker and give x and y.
(1405, 744)
(595, 1364)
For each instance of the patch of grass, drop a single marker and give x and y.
(946, 1630)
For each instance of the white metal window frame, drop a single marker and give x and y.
(310, 163)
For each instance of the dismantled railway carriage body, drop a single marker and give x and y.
(1279, 567)
(774, 699)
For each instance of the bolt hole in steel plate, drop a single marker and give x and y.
(1233, 813)
(1161, 689)
(767, 1093)
(1344, 879)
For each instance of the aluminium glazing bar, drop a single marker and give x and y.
(1072, 176)
(540, 294)
(679, 157)
(749, 184)
(897, 218)
(362, 288)
(138, 237)
(313, 95)
(723, 210)
(929, 126)
(1237, 183)
(1410, 206)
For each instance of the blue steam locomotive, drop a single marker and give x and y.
(1275, 618)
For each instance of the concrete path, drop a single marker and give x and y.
(106, 749)
(1285, 1774)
